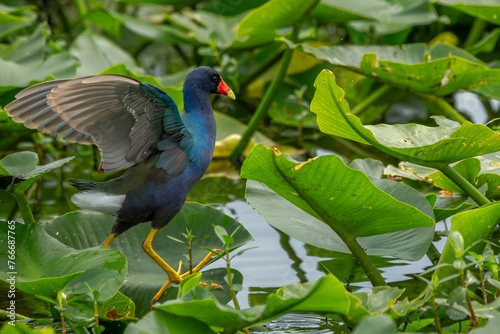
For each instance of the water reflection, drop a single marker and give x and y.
(280, 260)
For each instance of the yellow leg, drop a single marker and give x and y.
(173, 276)
(164, 287)
(106, 242)
(186, 274)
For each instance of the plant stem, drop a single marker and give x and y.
(230, 281)
(63, 323)
(475, 32)
(444, 106)
(487, 107)
(436, 318)
(433, 254)
(465, 185)
(368, 101)
(22, 202)
(360, 255)
(483, 286)
(473, 317)
(268, 98)
(190, 251)
(81, 7)
(96, 313)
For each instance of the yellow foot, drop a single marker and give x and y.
(213, 285)
(180, 277)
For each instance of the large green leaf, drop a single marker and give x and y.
(488, 10)
(95, 53)
(379, 324)
(162, 322)
(209, 28)
(27, 61)
(260, 25)
(82, 230)
(416, 143)
(439, 70)
(387, 17)
(328, 190)
(473, 225)
(19, 170)
(310, 296)
(288, 218)
(45, 266)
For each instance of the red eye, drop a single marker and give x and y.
(214, 78)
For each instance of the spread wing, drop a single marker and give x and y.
(126, 119)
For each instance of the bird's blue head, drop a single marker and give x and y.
(205, 79)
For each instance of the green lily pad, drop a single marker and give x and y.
(20, 170)
(390, 18)
(28, 61)
(423, 145)
(438, 70)
(162, 322)
(82, 230)
(382, 300)
(96, 53)
(345, 200)
(280, 213)
(20, 163)
(45, 266)
(309, 297)
(379, 324)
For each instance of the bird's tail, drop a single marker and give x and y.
(86, 185)
(95, 197)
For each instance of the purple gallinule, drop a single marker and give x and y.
(136, 126)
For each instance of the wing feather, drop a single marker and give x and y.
(125, 119)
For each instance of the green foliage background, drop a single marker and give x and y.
(343, 76)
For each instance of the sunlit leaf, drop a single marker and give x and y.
(288, 218)
(438, 70)
(347, 197)
(419, 144)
